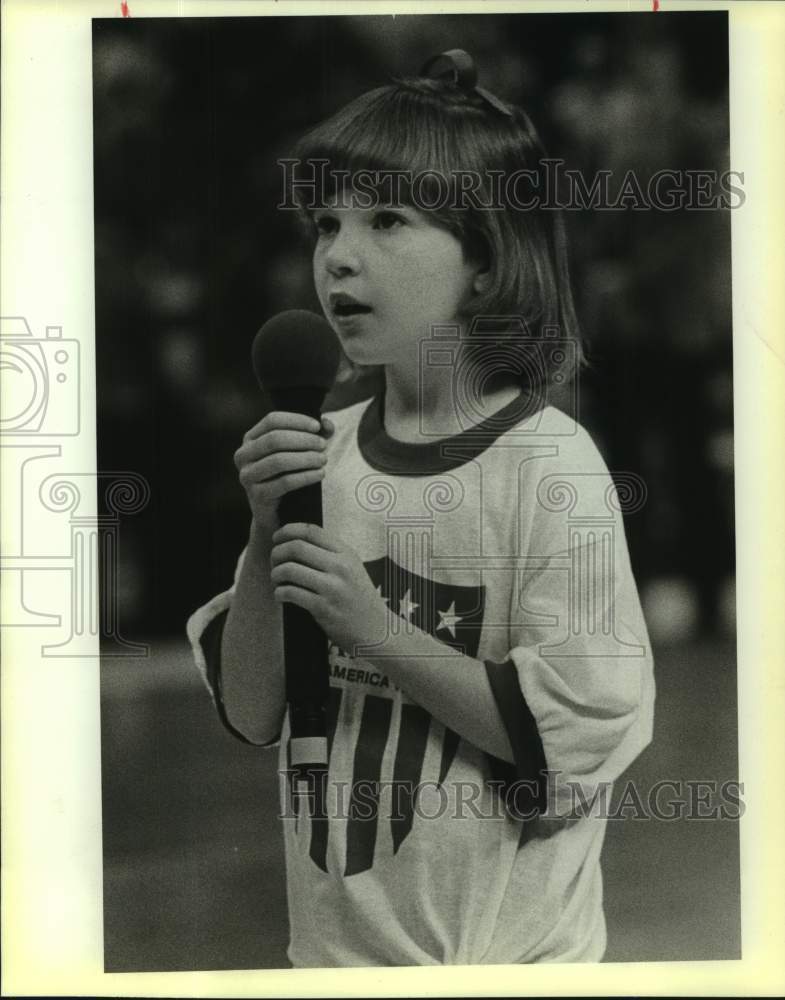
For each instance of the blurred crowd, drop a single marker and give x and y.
(190, 116)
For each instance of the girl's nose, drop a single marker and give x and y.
(343, 254)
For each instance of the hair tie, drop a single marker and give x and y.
(459, 66)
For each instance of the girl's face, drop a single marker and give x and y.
(385, 276)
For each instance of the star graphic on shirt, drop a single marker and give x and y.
(381, 594)
(406, 606)
(448, 619)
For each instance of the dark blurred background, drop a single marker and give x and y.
(190, 116)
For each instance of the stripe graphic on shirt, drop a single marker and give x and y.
(319, 822)
(451, 613)
(364, 801)
(409, 757)
(449, 749)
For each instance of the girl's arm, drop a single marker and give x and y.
(453, 687)
(251, 669)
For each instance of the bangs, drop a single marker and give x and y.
(401, 144)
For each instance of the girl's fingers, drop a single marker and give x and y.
(282, 463)
(299, 551)
(272, 442)
(312, 533)
(283, 420)
(297, 595)
(328, 427)
(274, 489)
(295, 574)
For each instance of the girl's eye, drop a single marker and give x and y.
(325, 225)
(388, 220)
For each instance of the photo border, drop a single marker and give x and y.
(51, 781)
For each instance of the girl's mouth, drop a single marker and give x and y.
(345, 309)
(344, 306)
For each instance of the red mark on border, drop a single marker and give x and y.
(127, 13)
(655, 5)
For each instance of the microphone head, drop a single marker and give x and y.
(295, 349)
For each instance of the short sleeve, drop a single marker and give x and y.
(203, 625)
(576, 691)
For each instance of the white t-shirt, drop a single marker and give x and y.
(506, 542)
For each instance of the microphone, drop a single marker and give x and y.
(295, 358)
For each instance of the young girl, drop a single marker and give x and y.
(490, 668)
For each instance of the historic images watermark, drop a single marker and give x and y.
(551, 186)
(568, 800)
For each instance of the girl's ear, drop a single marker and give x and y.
(482, 280)
(477, 253)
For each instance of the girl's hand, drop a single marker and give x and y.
(283, 452)
(325, 576)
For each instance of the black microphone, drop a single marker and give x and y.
(295, 358)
